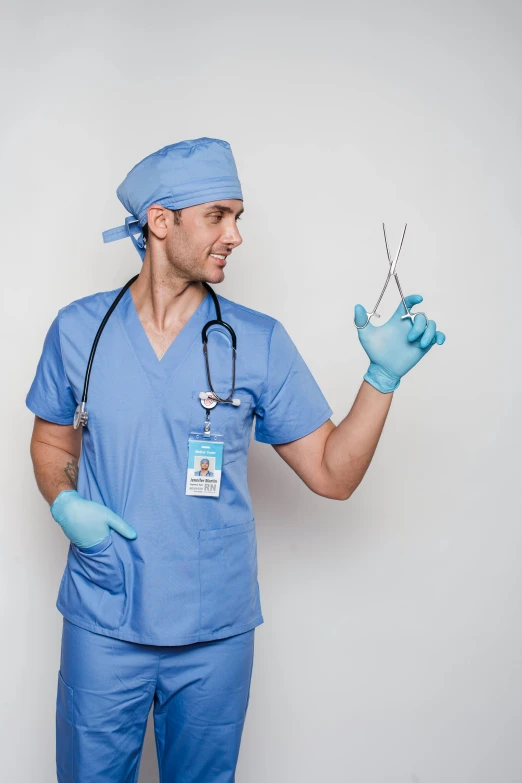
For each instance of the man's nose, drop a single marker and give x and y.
(232, 236)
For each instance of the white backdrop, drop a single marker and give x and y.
(392, 645)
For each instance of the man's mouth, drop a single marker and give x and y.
(222, 259)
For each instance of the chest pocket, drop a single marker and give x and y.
(234, 423)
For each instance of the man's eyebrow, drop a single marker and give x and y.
(224, 208)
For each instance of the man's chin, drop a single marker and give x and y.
(215, 276)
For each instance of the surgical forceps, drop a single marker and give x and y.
(392, 273)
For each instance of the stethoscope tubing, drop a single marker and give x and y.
(219, 322)
(99, 334)
(82, 413)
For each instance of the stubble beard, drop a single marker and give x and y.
(184, 262)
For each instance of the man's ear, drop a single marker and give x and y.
(157, 220)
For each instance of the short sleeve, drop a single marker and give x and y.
(291, 404)
(50, 396)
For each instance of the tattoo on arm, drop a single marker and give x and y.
(71, 471)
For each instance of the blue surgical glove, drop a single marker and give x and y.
(86, 522)
(396, 347)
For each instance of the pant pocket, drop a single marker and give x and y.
(64, 730)
(228, 577)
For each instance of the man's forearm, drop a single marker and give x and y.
(350, 446)
(54, 469)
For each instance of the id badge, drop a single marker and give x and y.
(205, 461)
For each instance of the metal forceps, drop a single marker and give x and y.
(392, 273)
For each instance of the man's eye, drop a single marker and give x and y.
(218, 217)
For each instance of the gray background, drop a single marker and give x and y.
(391, 649)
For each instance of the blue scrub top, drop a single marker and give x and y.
(191, 574)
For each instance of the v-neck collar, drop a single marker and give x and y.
(158, 371)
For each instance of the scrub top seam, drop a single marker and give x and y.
(69, 384)
(92, 433)
(311, 427)
(247, 309)
(287, 376)
(95, 296)
(38, 411)
(265, 384)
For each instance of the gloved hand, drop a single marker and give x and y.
(396, 347)
(86, 522)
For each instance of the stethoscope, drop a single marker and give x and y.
(208, 399)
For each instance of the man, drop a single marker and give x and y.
(204, 469)
(160, 595)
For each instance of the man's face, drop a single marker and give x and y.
(204, 464)
(206, 231)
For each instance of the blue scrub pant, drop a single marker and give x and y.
(106, 688)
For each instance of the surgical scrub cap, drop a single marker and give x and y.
(181, 175)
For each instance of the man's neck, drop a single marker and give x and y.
(163, 301)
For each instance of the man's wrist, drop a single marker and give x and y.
(381, 379)
(62, 492)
